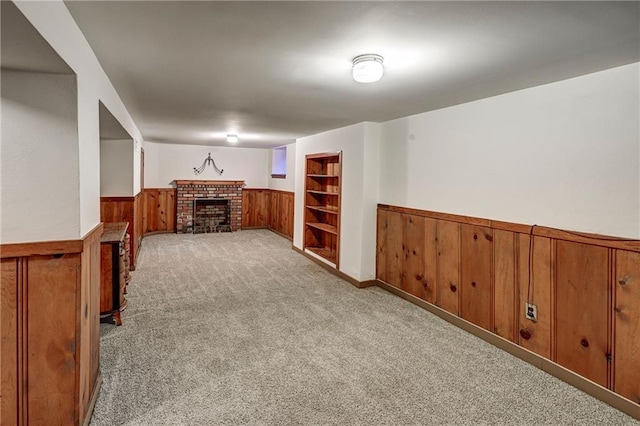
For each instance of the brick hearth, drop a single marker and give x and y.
(188, 190)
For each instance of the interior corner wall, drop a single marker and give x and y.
(135, 158)
(349, 140)
(165, 163)
(39, 166)
(288, 183)
(565, 155)
(116, 168)
(56, 25)
(370, 196)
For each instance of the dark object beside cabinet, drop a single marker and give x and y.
(113, 271)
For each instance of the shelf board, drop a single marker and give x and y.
(324, 227)
(321, 192)
(322, 176)
(324, 252)
(325, 209)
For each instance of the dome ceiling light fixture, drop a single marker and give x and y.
(368, 68)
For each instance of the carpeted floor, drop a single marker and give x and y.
(237, 328)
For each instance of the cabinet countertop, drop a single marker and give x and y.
(114, 232)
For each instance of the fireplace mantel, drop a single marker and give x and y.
(207, 182)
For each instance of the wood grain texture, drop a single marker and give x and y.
(582, 285)
(395, 250)
(554, 233)
(40, 248)
(281, 210)
(159, 210)
(129, 210)
(505, 301)
(323, 194)
(587, 321)
(268, 208)
(93, 256)
(255, 208)
(208, 182)
(540, 294)
(137, 231)
(52, 344)
(49, 358)
(413, 258)
(381, 245)
(106, 279)
(10, 365)
(626, 317)
(430, 271)
(476, 280)
(448, 290)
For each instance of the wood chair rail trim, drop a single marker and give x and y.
(537, 230)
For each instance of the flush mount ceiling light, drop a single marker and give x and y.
(232, 138)
(367, 68)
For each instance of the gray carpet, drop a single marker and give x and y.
(237, 328)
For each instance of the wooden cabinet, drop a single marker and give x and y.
(323, 177)
(49, 323)
(113, 270)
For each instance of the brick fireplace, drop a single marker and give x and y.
(189, 190)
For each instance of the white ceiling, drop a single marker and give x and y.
(23, 48)
(190, 72)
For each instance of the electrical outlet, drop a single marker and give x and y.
(531, 311)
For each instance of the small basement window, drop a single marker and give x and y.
(279, 162)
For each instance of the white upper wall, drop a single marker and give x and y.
(56, 25)
(288, 183)
(564, 155)
(39, 170)
(116, 168)
(167, 162)
(359, 194)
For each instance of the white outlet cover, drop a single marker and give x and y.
(531, 311)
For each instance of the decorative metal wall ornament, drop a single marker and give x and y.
(208, 161)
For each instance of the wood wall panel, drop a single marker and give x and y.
(52, 344)
(476, 266)
(136, 232)
(125, 209)
(255, 208)
(285, 213)
(581, 325)
(586, 287)
(49, 357)
(381, 245)
(413, 259)
(10, 345)
(430, 272)
(626, 317)
(539, 293)
(268, 208)
(395, 251)
(448, 289)
(505, 301)
(159, 210)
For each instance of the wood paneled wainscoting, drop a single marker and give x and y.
(126, 209)
(268, 208)
(159, 210)
(49, 318)
(586, 288)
